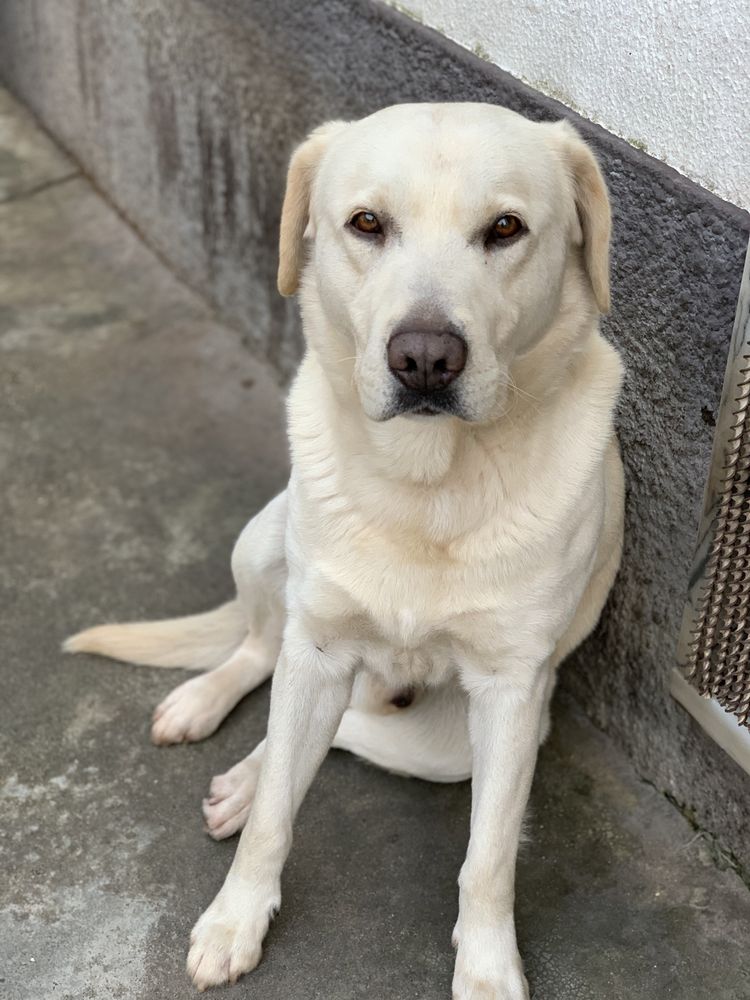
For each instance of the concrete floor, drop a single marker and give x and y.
(136, 437)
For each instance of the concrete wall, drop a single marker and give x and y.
(671, 76)
(185, 114)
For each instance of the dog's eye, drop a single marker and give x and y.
(505, 228)
(366, 222)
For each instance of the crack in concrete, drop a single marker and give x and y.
(37, 189)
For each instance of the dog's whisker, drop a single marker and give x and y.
(522, 392)
(512, 384)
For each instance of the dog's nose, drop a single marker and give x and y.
(426, 360)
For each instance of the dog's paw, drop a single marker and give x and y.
(189, 713)
(227, 940)
(230, 797)
(472, 988)
(488, 966)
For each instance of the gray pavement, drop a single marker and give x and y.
(137, 434)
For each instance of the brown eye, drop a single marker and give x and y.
(506, 227)
(366, 222)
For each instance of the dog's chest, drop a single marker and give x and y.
(504, 569)
(413, 619)
(404, 599)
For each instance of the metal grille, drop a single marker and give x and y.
(715, 651)
(719, 664)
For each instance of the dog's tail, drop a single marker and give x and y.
(197, 642)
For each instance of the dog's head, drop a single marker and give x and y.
(440, 240)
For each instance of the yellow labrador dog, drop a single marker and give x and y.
(453, 520)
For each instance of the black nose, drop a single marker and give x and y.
(426, 360)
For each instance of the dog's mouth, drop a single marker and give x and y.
(444, 402)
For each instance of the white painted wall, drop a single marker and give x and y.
(671, 76)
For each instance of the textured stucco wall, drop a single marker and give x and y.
(672, 76)
(185, 113)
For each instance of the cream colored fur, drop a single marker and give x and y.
(458, 557)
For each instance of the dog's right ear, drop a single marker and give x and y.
(295, 212)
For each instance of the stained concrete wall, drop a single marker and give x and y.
(185, 113)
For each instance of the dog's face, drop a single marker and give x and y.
(442, 236)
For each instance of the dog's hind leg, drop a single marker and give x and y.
(194, 709)
(429, 739)
(230, 795)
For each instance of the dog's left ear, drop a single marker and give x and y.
(295, 212)
(592, 205)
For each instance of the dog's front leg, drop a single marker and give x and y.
(311, 689)
(505, 713)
